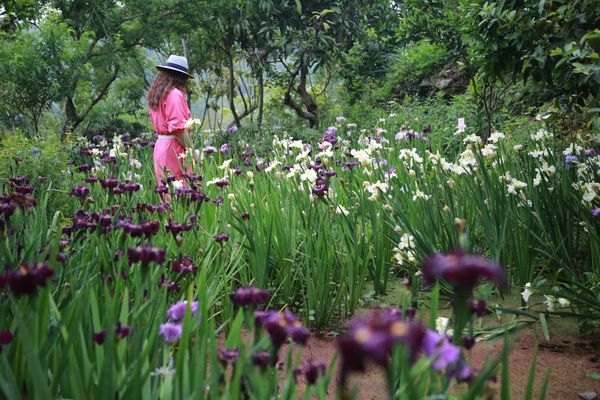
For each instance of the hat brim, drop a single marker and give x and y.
(164, 67)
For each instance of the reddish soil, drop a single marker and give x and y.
(568, 358)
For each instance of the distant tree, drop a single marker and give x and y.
(30, 74)
(313, 36)
(554, 44)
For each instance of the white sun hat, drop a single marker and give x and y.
(177, 64)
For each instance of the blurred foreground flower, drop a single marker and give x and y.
(170, 331)
(438, 347)
(311, 369)
(177, 311)
(5, 338)
(228, 356)
(250, 295)
(462, 270)
(280, 325)
(27, 278)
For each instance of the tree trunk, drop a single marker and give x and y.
(308, 110)
(231, 85)
(71, 117)
(261, 98)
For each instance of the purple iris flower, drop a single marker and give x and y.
(170, 331)
(570, 159)
(177, 310)
(224, 148)
(441, 350)
(228, 356)
(596, 212)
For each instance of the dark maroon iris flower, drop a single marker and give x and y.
(19, 180)
(478, 307)
(162, 189)
(221, 238)
(146, 254)
(130, 187)
(80, 191)
(350, 164)
(109, 183)
(374, 338)
(24, 189)
(184, 265)
(312, 370)
(262, 358)
(27, 278)
(228, 356)
(193, 177)
(468, 342)
(280, 325)
(222, 182)
(171, 285)
(5, 337)
(61, 257)
(250, 295)
(84, 168)
(462, 270)
(99, 337)
(177, 228)
(122, 331)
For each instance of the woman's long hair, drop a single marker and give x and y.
(162, 85)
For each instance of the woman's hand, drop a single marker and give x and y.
(181, 137)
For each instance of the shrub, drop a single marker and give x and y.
(43, 161)
(409, 66)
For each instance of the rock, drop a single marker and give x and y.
(443, 83)
(588, 395)
(450, 80)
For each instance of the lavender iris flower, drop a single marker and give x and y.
(441, 350)
(177, 310)
(570, 159)
(170, 331)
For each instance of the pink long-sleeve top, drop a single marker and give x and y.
(171, 114)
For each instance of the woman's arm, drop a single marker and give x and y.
(182, 138)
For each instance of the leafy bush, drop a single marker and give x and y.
(409, 66)
(43, 161)
(555, 44)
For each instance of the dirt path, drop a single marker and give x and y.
(569, 359)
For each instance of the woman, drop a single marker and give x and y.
(169, 111)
